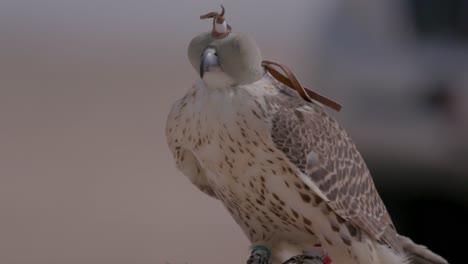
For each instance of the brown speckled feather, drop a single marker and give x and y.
(321, 149)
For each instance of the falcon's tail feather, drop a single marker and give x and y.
(420, 254)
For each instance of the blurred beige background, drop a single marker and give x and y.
(85, 87)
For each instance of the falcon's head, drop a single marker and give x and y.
(231, 59)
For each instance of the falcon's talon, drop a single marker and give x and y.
(253, 260)
(304, 259)
(258, 259)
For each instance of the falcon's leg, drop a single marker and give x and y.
(260, 255)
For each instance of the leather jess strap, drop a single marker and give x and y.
(291, 81)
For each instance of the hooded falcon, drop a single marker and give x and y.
(285, 170)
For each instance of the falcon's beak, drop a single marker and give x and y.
(209, 62)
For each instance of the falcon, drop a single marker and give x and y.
(285, 170)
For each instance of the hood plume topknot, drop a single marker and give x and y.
(220, 28)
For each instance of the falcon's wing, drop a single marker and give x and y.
(326, 156)
(186, 162)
